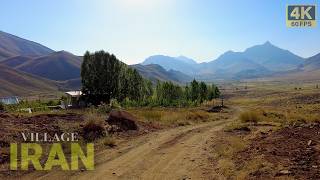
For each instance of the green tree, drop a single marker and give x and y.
(213, 92)
(216, 91)
(187, 93)
(194, 92)
(124, 84)
(101, 73)
(148, 89)
(1, 106)
(203, 91)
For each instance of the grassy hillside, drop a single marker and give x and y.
(16, 61)
(18, 83)
(11, 45)
(58, 66)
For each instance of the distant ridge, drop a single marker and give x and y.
(60, 65)
(11, 45)
(182, 64)
(256, 61)
(14, 82)
(312, 63)
(155, 72)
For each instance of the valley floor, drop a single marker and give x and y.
(268, 131)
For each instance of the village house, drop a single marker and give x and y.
(9, 100)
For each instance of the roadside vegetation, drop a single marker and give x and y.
(2, 106)
(35, 105)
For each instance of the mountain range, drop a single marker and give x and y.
(27, 67)
(257, 61)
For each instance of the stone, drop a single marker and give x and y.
(123, 120)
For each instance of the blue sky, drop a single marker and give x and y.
(136, 29)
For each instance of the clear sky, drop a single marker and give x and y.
(136, 29)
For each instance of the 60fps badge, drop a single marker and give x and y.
(301, 16)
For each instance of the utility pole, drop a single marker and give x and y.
(221, 101)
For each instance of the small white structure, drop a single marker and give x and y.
(9, 100)
(73, 98)
(74, 93)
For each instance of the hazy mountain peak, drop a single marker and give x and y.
(184, 65)
(186, 60)
(267, 43)
(155, 72)
(230, 54)
(273, 57)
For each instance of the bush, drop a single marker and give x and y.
(237, 126)
(104, 108)
(114, 104)
(250, 116)
(93, 129)
(53, 103)
(109, 142)
(1, 106)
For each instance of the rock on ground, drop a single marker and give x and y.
(123, 120)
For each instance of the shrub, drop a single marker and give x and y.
(53, 103)
(250, 116)
(93, 128)
(104, 108)
(109, 142)
(114, 104)
(1, 106)
(237, 126)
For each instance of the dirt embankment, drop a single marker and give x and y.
(294, 151)
(13, 125)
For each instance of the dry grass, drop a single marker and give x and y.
(173, 116)
(93, 127)
(223, 151)
(109, 141)
(269, 106)
(236, 125)
(226, 167)
(250, 117)
(252, 166)
(229, 147)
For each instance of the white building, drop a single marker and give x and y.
(9, 100)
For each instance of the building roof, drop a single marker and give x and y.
(74, 93)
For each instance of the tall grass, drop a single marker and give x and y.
(172, 116)
(36, 105)
(250, 116)
(93, 127)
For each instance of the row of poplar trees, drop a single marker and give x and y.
(104, 77)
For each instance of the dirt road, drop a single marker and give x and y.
(178, 153)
